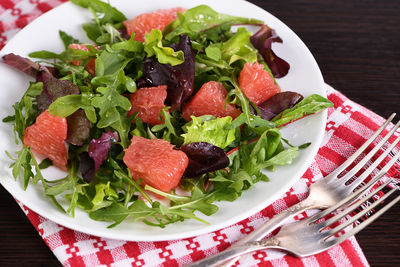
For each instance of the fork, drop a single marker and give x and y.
(330, 190)
(311, 236)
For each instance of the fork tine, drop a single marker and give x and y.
(364, 146)
(364, 224)
(351, 207)
(346, 201)
(373, 166)
(358, 215)
(355, 194)
(367, 157)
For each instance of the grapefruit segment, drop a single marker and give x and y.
(46, 137)
(144, 23)
(148, 102)
(155, 162)
(256, 83)
(210, 100)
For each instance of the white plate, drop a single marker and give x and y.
(42, 34)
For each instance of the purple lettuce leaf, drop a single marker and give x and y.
(204, 157)
(278, 103)
(53, 88)
(179, 78)
(86, 166)
(78, 128)
(97, 152)
(25, 65)
(262, 41)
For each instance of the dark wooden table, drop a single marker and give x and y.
(357, 46)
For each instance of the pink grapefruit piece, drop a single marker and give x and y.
(256, 83)
(145, 22)
(156, 162)
(210, 100)
(47, 137)
(148, 102)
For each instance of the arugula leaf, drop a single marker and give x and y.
(43, 54)
(107, 21)
(200, 18)
(45, 164)
(66, 105)
(60, 188)
(197, 201)
(103, 197)
(122, 125)
(70, 54)
(307, 106)
(129, 45)
(93, 30)
(115, 212)
(139, 210)
(160, 214)
(283, 158)
(243, 100)
(165, 55)
(110, 99)
(25, 112)
(247, 165)
(67, 39)
(111, 14)
(109, 62)
(21, 167)
(170, 128)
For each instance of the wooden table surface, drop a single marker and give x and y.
(357, 46)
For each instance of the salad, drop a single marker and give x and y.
(155, 122)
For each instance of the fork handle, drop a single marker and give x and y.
(277, 221)
(274, 223)
(237, 251)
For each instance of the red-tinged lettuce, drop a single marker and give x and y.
(53, 88)
(309, 105)
(204, 157)
(25, 65)
(178, 78)
(262, 40)
(97, 152)
(278, 103)
(78, 128)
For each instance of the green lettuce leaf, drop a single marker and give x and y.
(238, 47)
(166, 55)
(216, 131)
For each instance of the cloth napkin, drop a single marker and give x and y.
(348, 126)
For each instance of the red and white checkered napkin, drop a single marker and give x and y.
(348, 126)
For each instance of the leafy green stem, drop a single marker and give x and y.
(131, 181)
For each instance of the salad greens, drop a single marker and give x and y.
(226, 155)
(209, 129)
